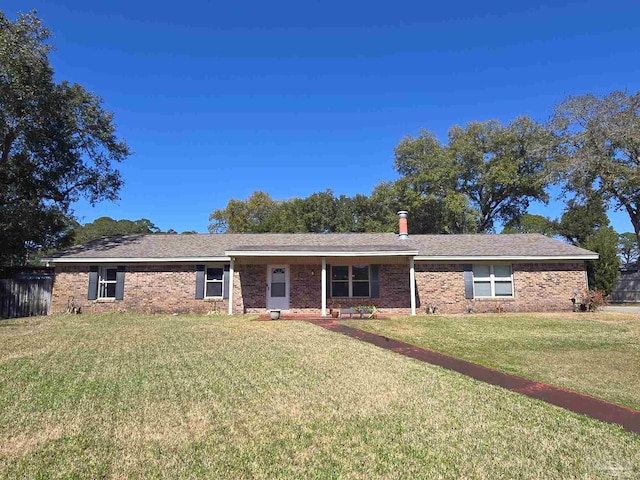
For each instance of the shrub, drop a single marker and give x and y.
(591, 300)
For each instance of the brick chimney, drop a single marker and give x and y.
(403, 230)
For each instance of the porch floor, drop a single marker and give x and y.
(314, 318)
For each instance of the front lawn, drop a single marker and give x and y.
(593, 353)
(114, 396)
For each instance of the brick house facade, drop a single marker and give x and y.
(166, 288)
(312, 273)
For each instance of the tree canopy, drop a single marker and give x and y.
(487, 172)
(601, 146)
(529, 223)
(603, 272)
(320, 212)
(57, 144)
(628, 247)
(107, 226)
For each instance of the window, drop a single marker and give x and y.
(492, 281)
(213, 282)
(107, 282)
(350, 281)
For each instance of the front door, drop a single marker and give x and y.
(278, 287)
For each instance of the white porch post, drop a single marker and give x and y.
(323, 287)
(231, 286)
(412, 285)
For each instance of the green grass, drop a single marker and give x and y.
(594, 353)
(119, 396)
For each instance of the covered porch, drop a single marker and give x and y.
(313, 281)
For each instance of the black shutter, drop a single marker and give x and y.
(120, 283)
(328, 281)
(199, 282)
(93, 283)
(375, 281)
(468, 281)
(225, 281)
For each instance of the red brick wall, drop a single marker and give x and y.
(537, 287)
(147, 289)
(250, 289)
(440, 285)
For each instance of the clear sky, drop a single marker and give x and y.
(218, 99)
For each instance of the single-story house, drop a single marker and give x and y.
(311, 273)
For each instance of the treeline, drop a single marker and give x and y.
(107, 226)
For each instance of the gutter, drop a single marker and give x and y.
(136, 259)
(476, 258)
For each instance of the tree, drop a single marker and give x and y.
(257, 214)
(585, 224)
(603, 272)
(320, 212)
(57, 144)
(628, 247)
(107, 226)
(487, 172)
(428, 214)
(529, 223)
(355, 214)
(601, 148)
(582, 219)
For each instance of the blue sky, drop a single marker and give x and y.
(218, 99)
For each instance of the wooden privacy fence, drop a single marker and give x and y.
(628, 288)
(25, 292)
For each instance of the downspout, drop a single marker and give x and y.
(323, 287)
(412, 285)
(231, 286)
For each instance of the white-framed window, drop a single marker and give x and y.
(214, 282)
(492, 280)
(350, 281)
(107, 280)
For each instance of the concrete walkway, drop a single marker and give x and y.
(628, 418)
(622, 308)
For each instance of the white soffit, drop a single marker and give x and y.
(328, 253)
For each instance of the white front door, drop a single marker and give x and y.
(278, 287)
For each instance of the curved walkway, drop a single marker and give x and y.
(593, 407)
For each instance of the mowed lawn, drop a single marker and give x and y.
(115, 396)
(593, 353)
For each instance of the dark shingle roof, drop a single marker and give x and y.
(198, 246)
(511, 245)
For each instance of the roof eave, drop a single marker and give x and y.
(327, 253)
(136, 259)
(460, 258)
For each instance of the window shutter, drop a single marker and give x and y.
(468, 281)
(93, 283)
(328, 281)
(226, 281)
(120, 283)
(375, 281)
(199, 282)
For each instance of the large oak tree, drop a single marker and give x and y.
(57, 144)
(486, 173)
(601, 142)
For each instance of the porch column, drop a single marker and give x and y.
(231, 286)
(412, 285)
(323, 287)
